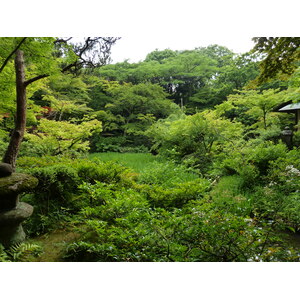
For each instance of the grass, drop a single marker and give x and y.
(228, 185)
(136, 161)
(152, 169)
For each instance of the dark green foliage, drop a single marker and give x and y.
(52, 198)
(56, 182)
(56, 198)
(198, 232)
(251, 160)
(177, 196)
(122, 144)
(108, 172)
(175, 217)
(281, 55)
(108, 144)
(195, 79)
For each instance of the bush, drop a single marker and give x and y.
(278, 199)
(251, 160)
(177, 196)
(60, 137)
(264, 153)
(296, 138)
(107, 144)
(196, 138)
(228, 196)
(276, 207)
(198, 232)
(114, 204)
(108, 172)
(63, 187)
(27, 163)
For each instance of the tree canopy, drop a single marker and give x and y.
(281, 55)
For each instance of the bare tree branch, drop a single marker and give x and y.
(84, 58)
(61, 40)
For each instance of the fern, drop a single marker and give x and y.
(4, 257)
(21, 252)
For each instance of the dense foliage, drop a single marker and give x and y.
(211, 178)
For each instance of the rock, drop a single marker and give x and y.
(12, 235)
(11, 186)
(11, 230)
(17, 183)
(5, 169)
(13, 212)
(16, 215)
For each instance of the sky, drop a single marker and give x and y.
(146, 25)
(135, 48)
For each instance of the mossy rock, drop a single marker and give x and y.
(17, 183)
(17, 215)
(5, 170)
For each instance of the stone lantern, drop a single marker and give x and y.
(287, 137)
(12, 211)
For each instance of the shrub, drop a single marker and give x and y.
(114, 204)
(198, 232)
(264, 153)
(57, 183)
(63, 187)
(3, 147)
(275, 207)
(177, 196)
(27, 163)
(96, 170)
(228, 196)
(278, 199)
(296, 138)
(251, 160)
(107, 144)
(197, 138)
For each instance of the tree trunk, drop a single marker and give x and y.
(20, 121)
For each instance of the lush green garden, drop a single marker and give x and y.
(176, 158)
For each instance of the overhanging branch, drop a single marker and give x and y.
(82, 52)
(11, 54)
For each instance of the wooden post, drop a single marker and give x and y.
(20, 121)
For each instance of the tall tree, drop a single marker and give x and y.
(160, 56)
(195, 79)
(139, 106)
(20, 120)
(53, 55)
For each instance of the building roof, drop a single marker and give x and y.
(290, 107)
